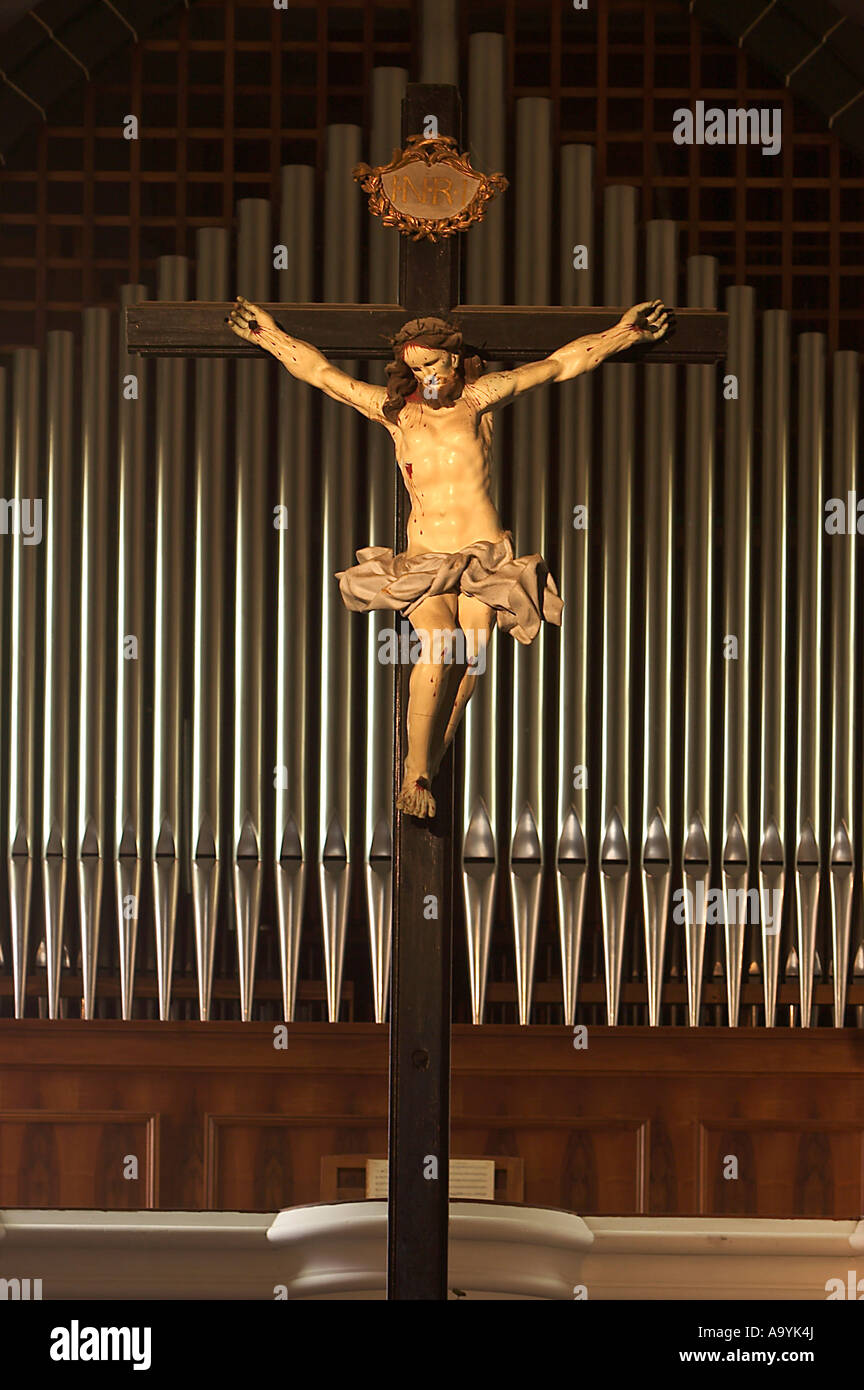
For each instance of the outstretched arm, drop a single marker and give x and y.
(304, 361)
(643, 323)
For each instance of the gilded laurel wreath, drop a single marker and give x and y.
(442, 149)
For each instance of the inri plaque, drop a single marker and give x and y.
(428, 190)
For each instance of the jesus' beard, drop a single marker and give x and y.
(447, 394)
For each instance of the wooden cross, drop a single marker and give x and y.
(423, 851)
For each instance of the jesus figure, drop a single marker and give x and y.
(458, 574)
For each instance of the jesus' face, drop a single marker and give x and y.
(433, 368)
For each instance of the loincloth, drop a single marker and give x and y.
(519, 588)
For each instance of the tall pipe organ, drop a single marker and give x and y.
(659, 805)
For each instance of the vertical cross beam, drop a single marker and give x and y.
(422, 942)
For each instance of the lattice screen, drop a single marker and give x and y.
(228, 92)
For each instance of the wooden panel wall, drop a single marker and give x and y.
(668, 1121)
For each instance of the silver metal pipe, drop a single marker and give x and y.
(90, 836)
(809, 829)
(738, 394)
(171, 416)
(212, 252)
(485, 285)
(699, 638)
(24, 522)
(59, 416)
(487, 128)
(772, 597)
(388, 89)
(439, 42)
(295, 467)
(338, 679)
(575, 513)
(254, 264)
(656, 861)
(128, 809)
(842, 558)
(618, 464)
(530, 418)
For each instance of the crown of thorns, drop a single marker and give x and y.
(449, 334)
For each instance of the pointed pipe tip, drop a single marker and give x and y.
(615, 850)
(381, 844)
(292, 844)
(841, 848)
(571, 842)
(206, 845)
(525, 846)
(735, 847)
(656, 847)
(335, 845)
(479, 841)
(771, 849)
(696, 849)
(807, 849)
(248, 844)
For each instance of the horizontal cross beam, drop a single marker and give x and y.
(162, 329)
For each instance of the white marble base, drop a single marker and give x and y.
(338, 1251)
(496, 1251)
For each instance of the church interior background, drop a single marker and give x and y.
(661, 1074)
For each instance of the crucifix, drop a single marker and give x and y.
(457, 572)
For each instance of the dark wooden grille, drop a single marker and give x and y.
(228, 92)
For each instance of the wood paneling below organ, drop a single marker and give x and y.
(642, 1122)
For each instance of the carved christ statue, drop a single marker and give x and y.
(458, 575)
